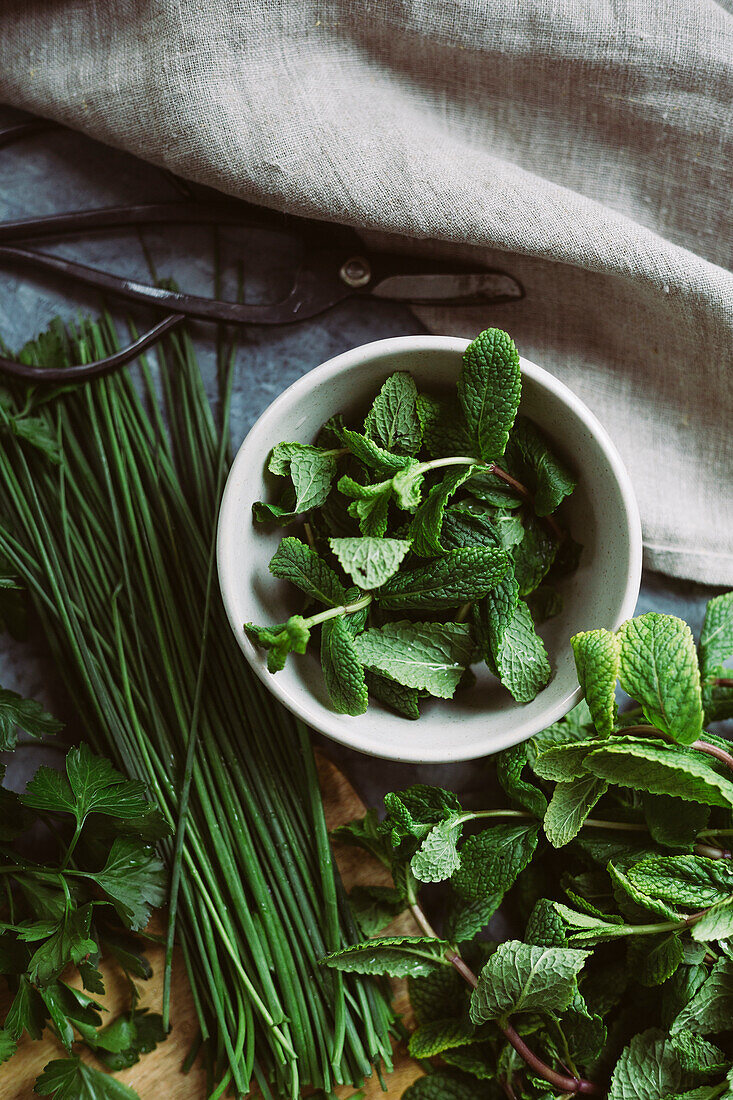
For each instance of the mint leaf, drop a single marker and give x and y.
(370, 561)
(648, 1069)
(697, 1055)
(24, 714)
(673, 823)
(365, 832)
(434, 1037)
(407, 487)
(510, 765)
(295, 562)
(563, 762)
(689, 881)
(521, 978)
(133, 878)
(445, 1086)
(716, 651)
(492, 617)
(492, 859)
(371, 454)
(372, 514)
(548, 479)
(342, 669)
(444, 429)
(489, 388)
(375, 906)
(312, 472)
(437, 857)
(669, 769)
(659, 669)
(413, 812)
(716, 924)
(625, 888)
(654, 959)
(72, 1079)
(472, 523)
(402, 699)
(520, 656)
(711, 1008)
(393, 421)
(597, 659)
(427, 523)
(465, 919)
(428, 656)
(534, 555)
(290, 637)
(458, 577)
(569, 806)
(396, 956)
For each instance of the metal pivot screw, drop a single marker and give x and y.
(356, 271)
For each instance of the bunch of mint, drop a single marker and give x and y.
(426, 553)
(613, 853)
(90, 894)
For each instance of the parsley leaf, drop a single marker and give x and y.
(133, 879)
(25, 714)
(72, 1079)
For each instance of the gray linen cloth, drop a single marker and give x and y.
(583, 146)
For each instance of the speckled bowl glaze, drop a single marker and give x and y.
(602, 514)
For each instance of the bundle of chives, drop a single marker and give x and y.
(116, 545)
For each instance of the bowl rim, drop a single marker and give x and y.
(337, 727)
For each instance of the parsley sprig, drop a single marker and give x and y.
(612, 854)
(430, 538)
(95, 887)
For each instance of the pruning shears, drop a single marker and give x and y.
(334, 266)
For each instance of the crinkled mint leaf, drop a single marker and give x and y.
(493, 615)
(430, 1039)
(716, 652)
(457, 577)
(545, 927)
(510, 765)
(648, 1069)
(444, 430)
(562, 762)
(445, 1086)
(371, 454)
(396, 956)
(654, 959)
(520, 656)
(546, 476)
(402, 699)
(669, 769)
(492, 859)
(472, 523)
(659, 669)
(534, 555)
(342, 669)
(312, 472)
(521, 978)
(489, 388)
(407, 487)
(427, 523)
(569, 806)
(437, 857)
(428, 656)
(698, 1055)
(371, 514)
(295, 562)
(634, 902)
(465, 919)
(545, 603)
(374, 907)
(393, 421)
(366, 832)
(690, 881)
(711, 1008)
(597, 660)
(413, 812)
(370, 561)
(716, 924)
(672, 822)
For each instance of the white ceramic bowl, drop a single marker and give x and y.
(602, 514)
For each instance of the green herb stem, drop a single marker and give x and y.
(334, 612)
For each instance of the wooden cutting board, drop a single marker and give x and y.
(158, 1076)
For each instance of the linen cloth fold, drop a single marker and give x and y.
(584, 147)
